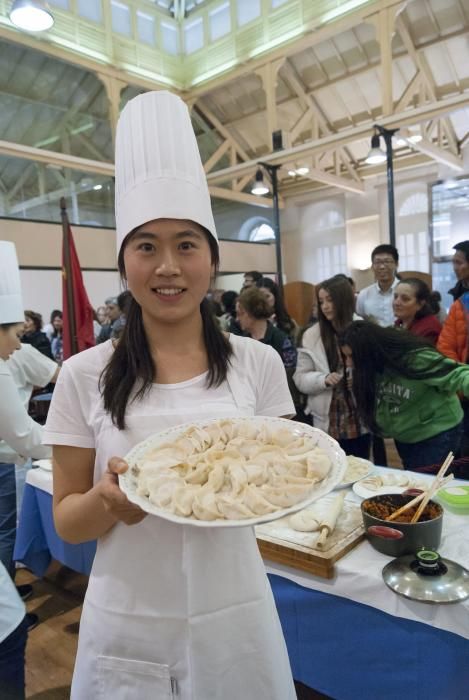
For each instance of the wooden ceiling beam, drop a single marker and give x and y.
(243, 197)
(342, 138)
(429, 149)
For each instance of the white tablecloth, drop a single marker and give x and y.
(358, 574)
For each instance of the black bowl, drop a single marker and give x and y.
(424, 534)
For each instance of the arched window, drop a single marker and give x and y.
(256, 229)
(264, 232)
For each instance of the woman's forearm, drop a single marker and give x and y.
(80, 517)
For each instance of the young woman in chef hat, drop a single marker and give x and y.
(20, 437)
(170, 610)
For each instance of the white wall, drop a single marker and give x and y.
(313, 240)
(42, 289)
(316, 231)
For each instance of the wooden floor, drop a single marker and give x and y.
(52, 645)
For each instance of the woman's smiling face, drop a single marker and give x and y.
(168, 266)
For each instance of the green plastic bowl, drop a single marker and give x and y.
(454, 499)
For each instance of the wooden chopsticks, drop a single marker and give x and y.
(434, 486)
(418, 499)
(423, 498)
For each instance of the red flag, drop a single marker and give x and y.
(77, 310)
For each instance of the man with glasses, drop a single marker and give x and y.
(374, 303)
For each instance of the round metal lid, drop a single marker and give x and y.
(428, 578)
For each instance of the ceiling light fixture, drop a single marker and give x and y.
(259, 186)
(303, 170)
(31, 15)
(376, 155)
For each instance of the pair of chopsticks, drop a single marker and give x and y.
(423, 498)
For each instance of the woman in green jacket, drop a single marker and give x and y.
(406, 390)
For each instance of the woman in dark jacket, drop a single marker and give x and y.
(33, 334)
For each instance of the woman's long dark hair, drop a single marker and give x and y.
(376, 349)
(132, 367)
(283, 319)
(341, 293)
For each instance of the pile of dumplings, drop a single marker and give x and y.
(230, 470)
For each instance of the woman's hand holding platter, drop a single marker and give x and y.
(115, 501)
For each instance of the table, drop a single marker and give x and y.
(37, 541)
(348, 637)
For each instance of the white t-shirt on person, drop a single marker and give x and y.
(29, 369)
(194, 599)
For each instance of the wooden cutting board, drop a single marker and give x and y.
(280, 543)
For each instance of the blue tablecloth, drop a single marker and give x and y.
(37, 541)
(342, 648)
(351, 651)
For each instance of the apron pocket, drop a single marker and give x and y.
(126, 679)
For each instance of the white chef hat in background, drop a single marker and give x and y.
(159, 173)
(11, 300)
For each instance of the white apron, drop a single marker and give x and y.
(174, 611)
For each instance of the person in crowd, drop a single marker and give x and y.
(228, 320)
(321, 374)
(33, 334)
(56, 339)
(437, 307)
(192, 608)
(279, 314)
(123, 302)
(374, 303)
(113, 314)
(13, 638)
(101, 315)
(461, 269)
(50, 327)
(406, 390)
(413, 311)
(20, 436)
(454, 343)
(30, 370)
(253, 312)
(251, 278)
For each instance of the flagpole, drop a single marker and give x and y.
(68, 277)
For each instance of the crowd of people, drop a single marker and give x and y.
(368, 366)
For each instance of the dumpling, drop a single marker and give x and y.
(232, 508)
(286, 479)
(149, 479)
(283, 497)
(183, 498)
(282, 437)
(318, 465)
(199, 437)
(216, 478)
(199, 475)
(297, 468)
(256, 502)
(246, 430)
(300, 446)
(245, 447)
(238, 477)
(165, 453)
(257, 473)
(204, 506)
(161, 495)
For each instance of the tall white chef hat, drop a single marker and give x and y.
(159, 173)
(11, 301)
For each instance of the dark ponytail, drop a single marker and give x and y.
(131, 371)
